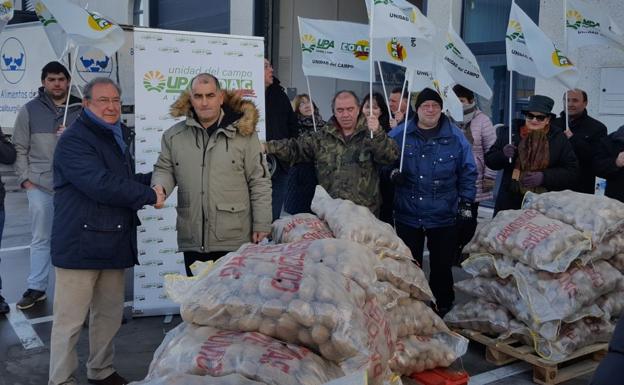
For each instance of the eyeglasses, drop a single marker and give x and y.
(430, 106)
(107, 101)
(539, 118)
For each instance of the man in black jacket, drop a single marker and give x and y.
(281, 123)
(609, 372)
(583, 133)
(609, 163)
(7, 156)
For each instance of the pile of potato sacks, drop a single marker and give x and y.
(333, 296)
(550, 273)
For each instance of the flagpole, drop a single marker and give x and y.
(510, 105)
(409, 95)
(370, 64)
(71, 78)
(383, 86)
(565, 49)
(403, 90)
(311, 102)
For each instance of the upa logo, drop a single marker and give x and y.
(97, 22)
(575, 20)
(154, 81)
(514, 32)
(13, 60)
(396, 50)
(308, 43)
(93, 63)
(6, 8)
(560, 60)
(450, 46)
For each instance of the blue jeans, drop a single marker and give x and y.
(41, 208)
(279, 182)
(1, 228)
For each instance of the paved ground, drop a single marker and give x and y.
(139, 337)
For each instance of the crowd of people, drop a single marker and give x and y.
(425, 175)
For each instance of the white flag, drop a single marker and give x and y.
(404, 51)
(6, 13)
(56, 34)
(334, 49)
(442, 82)
(462, 66)
(85, 28)
(399, 18)
(589, 25)
(531, 53)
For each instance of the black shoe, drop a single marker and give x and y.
(4, 307)
(113, 379)
(29, 299)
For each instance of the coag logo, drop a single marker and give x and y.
(154, 81)
(98, 23)
(560, 60)
(516, 33)
(308, 43)
(575, 20)
(396, 50)
(93, 63)
(360, 49)
(13, 63)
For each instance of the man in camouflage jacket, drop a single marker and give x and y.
(345, 156)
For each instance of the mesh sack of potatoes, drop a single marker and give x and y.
(276, 291)
(554, 296)
(415, 354)
(387, 294)
(532, 238)
(190, 379)
(479, 315)
(612, 304)
(607, 249)
(203, 350)
(597, 215)
(357, 223)
(406, 276)
(572, 337)
(618, 262)
(505, 292)
(413, 317)
(300, 227)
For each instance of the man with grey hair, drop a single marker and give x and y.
(97, 195)
(214, 158)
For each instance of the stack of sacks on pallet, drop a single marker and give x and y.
(550, 273)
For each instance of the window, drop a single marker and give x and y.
(188, 15)
(484, 27)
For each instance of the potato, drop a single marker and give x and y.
(300, 227)
(406, 276)
(419, 353)
(479, 315)
(415, 317)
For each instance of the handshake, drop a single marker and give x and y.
(160, 196)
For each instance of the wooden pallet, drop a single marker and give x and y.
(545, 372)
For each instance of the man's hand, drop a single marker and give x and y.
(264, 148)
(532, 179)
(464, 211)
(160, 196)
(373, 123)
(568, 133)
(397, 177)
(619, 161)
(398, 116)
(393, 122)
(509, 150)
(27, 185)
(60, 130)
(258, 236)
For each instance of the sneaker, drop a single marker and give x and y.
(29, 299)
(113, 379)
(4, 307)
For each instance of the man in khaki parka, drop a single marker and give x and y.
(345, 156)
(215, 159)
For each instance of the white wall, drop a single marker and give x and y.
(241, 17)
(589, 60)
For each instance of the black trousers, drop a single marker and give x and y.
(193, 256)
(442, 245)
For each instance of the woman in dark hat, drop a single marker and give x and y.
(542, 158)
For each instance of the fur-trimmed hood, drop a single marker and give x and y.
(238, 112)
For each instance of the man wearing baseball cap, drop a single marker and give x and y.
(434, 190)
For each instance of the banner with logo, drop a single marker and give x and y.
(399, 18)
(6, 13)
(334, 49)
(462, 65)
(404, 51)
(531, 53)
(24, 50)
(164, 64)
(589, 25)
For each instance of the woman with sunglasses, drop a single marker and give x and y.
(542, 158)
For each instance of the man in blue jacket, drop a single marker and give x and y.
(434, 190)
(97, 195)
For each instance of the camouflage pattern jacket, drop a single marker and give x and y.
(346, 168)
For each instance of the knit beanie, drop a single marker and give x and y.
(428, 94)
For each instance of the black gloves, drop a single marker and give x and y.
(465, 211)
(397, 177)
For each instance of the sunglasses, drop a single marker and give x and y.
(539, 118)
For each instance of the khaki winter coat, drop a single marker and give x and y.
(224, 187)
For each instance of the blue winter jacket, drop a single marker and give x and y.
(439, 172)
(96, 197)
